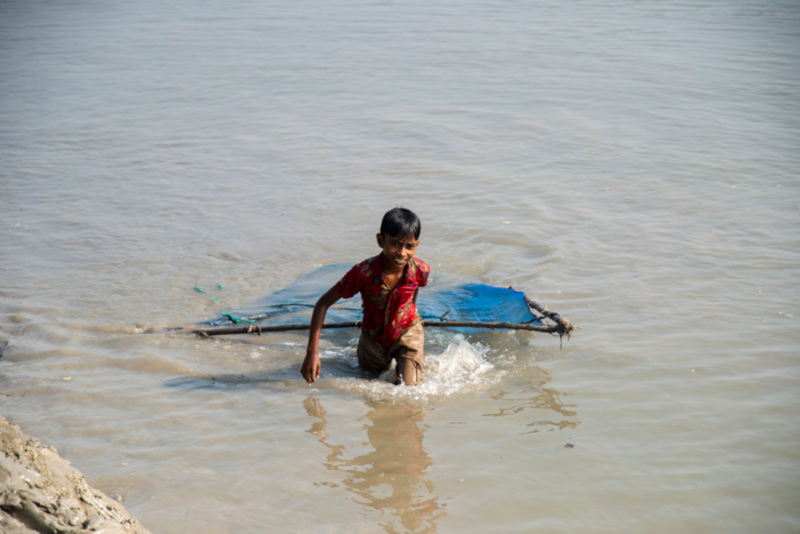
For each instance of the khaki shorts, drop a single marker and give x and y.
(373, 357)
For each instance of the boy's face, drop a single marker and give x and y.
(398, 250)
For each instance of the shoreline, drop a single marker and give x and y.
(41, 492)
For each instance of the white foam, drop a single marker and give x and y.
(461, 368)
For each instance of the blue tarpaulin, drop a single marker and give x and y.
(438, 301)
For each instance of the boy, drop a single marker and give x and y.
(388, 283)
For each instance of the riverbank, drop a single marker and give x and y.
(41, 492)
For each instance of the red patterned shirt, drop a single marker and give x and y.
(386, 312)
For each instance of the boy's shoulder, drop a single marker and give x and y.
(369, 263)
(366, 267)
(421, 265)
(419, 270)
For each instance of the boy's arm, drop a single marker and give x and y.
(311, 365)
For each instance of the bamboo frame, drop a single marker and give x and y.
(562, 328)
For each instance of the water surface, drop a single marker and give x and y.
(631, 165)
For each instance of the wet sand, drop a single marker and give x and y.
(41, 492)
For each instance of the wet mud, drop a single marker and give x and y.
(41, 492)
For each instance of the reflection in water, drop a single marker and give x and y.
(391, 479)
(546, 400)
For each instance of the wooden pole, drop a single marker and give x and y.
(259, 329)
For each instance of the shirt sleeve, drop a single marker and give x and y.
(350, 284)
(423, 270)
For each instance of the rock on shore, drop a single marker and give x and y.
(41, 492)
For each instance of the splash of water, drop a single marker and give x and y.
(461, 368)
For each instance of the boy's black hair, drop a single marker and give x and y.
(402, 222)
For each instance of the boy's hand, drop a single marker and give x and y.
(311, 367)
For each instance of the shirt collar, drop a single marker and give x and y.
(409, 271)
